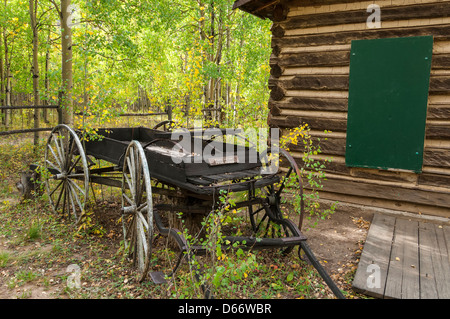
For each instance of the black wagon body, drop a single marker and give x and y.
(195, 172)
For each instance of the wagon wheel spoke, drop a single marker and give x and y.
(58, 160)
(127, 224)
(76, 195)
(56, 188)
(74, 209)
(129, 201)
(269, 218)
(75, 163)
(137, 216)
(283, 182)
(142, 219)
(59, 149)
(67, 180)
(55, 167)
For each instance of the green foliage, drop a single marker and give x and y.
(228, 264)
(171, 50)
(312, 171)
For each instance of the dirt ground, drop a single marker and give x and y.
(338, 241)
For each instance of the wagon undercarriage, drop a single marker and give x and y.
(142, 165)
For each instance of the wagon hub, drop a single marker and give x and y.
(60, 176)
(272, 199)
(129, 209)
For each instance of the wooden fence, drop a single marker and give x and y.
(58, 108)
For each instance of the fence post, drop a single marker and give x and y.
(169, 111)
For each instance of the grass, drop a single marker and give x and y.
(4, 258)
(36, 248)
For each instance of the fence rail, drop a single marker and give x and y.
(43, 129)
(29, 107)
(30, 130)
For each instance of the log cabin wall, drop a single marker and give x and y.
(309, 84)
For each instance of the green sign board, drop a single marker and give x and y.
(387, 103)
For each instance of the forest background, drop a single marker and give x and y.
(207, 61)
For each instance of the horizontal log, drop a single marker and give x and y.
(338, 58)
(384, 175)
(436, 157)
(399, 24)
(434, 180)
(276, 50)
(331, 58)
(434, 131)
(277, 93)
(433, 157)
(435, 111)
(274, 109)
(392, 191)
(438, 84)
(438, 112)
(416, 11)
(311, 103)
(276, 70)
(317, 82)
(332, 166)
(320, 124)
(440, 32)
(441, 61)
(277, 30)
(328, 146)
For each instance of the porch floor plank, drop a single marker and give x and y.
(404, 259)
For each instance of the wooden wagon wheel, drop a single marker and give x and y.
(67, 183)
(267, 219)
(137, 208)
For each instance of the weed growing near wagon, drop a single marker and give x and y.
(300, 139)
(220, 271)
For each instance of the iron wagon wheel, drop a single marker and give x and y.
(137, 208)
(268, 219)
(67, 180)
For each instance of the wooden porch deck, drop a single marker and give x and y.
(404, 259)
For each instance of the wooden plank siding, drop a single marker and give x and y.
(309, 84)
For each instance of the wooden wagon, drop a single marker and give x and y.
(149, 162)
